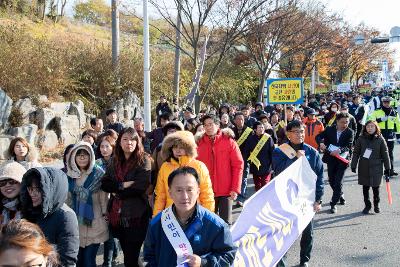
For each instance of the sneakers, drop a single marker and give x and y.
(342, 201)
(393, 173)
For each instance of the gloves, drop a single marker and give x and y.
(386, 173)
(384, 118)
(353, 170)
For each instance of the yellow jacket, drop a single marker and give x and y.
(163, 200)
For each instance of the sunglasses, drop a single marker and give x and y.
(8, 181)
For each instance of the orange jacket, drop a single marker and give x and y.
(313, 128)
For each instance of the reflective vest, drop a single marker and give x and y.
(388, 127)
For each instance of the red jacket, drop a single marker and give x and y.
(224, 162)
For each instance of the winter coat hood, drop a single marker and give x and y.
(184, 139)
(73, 170)
(54, 185)
(228, 132)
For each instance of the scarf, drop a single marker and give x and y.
(10, 210)
(82, 201)
(115, 211)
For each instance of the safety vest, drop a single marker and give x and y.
(392, 123)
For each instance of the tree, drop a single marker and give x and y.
(93, 11)
(288, 36)
(224, 21)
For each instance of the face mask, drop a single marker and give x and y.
(324, 107)
(334, 109)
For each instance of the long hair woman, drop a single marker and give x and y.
(23, 244)
(127, 179)
(370, 154)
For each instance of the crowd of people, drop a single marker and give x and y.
(124, 187)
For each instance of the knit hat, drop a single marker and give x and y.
(12, 170)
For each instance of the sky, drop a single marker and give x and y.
(382, 14)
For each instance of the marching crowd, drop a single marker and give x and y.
(170, 192)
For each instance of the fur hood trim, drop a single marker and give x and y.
(73, 170)
(184, 139)
(228, 132)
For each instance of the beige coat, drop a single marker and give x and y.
(98, 232)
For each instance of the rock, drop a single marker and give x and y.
(27, 131)
(26, 107)
(128, 107)
(66, 128)
(5, 109)
(48, 140)
(43, 117)
(43, 99)
(60, 108)
(5, 141)
(78, 110)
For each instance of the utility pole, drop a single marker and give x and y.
(146, 68)
(177, 53)
(312, 90)
(115, 35)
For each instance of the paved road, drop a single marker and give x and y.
(349, 238)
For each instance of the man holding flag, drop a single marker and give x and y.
(282, 157)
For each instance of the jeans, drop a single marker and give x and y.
(87, 256)
(336, 171)
(223, 207)
(306, 244)
(242, 196)
(110, 251)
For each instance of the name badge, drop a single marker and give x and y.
(367, 153)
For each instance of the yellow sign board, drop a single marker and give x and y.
(284, 91)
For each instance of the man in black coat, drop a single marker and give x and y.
(242, 135)
(336, 142)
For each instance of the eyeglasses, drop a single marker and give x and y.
(82, 156)
(8, 181)
(34, 190)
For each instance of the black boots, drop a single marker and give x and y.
(368, 202)
(367, 206)
(376, 204)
